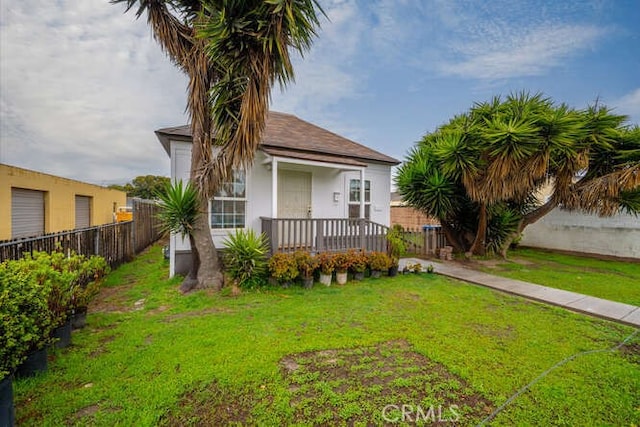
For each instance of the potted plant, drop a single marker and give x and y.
(87, 285)
(25, 318)
(396, 247)
(283, 268)
(378, 262)
(326, 266)
(307, 266)
(359, 262)
(342, 262)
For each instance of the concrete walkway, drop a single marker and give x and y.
(610, 310)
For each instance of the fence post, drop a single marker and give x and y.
(320, 235)
(96, 240)
(135, 207)
(362, 231)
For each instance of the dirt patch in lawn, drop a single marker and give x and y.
(631, 352)
(111, 300)
(378, 385)
(371, 385)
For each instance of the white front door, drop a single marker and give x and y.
(294, 202)
(294, 194)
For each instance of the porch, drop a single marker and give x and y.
(323, 234)
(341, 234)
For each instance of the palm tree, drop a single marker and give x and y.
(491, 161)
(233, 52)
(178, 213)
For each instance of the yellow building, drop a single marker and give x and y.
(34, 203)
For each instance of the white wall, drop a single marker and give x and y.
(571, 231)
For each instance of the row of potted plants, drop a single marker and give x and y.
(287, 267)
(41, 295)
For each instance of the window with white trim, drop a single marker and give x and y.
(354, 198)
(228, 207)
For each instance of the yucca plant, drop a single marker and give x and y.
(178, 213)
(245, 258)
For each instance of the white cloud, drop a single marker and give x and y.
(629, 105)
(533, 53)
(77, 98)
(328, 74)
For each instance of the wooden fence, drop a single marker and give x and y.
(117, 242)
(146, 228)
(425, 241)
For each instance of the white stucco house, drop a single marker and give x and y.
(304, 189)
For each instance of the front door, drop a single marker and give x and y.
(294, 194)
(294, 203)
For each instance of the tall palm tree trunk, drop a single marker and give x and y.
(209, 273)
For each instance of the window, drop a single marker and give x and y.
(228, 206)
(354, 198)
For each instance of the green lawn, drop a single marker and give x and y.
(348, 355)
(609, 279)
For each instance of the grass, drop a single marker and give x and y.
(349, 355)
(609, 279)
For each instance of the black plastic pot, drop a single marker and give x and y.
(79, 319)
(63, 334)
(358, 275)
(7, 413)
(393, 271)
(35, 363)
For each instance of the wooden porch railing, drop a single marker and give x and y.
(341, 234)
(323, 234)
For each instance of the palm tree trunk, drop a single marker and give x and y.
(452, 238)
(534, 216)
(201, 79)
(527, 220)
(191, 280)
(209, 274)
(479, 244)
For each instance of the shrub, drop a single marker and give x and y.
(359, 261)
(70, 281)
(87, 285)
(341, 261)
(379, 261)
(307, 264)
(396, 246)
(283, 267)
(25, 319)
(325, 262)
(37, 293)
(245, 258)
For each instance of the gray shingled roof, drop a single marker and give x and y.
(289, 136)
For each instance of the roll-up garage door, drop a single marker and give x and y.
(83, 211)
(27, 213)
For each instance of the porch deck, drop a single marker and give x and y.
(323, 234)
(341, 234)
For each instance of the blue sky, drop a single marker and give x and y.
(83, 86)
